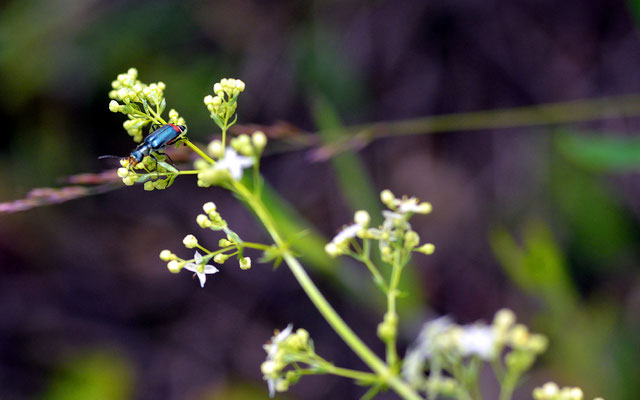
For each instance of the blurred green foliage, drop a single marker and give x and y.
(92, 375)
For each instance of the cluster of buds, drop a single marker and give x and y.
(287, 348)
(243, 152)
(211, 219)
(129, 93)
(155, 172)
(198, 265)
(127, 88)
(551, 391)
(443, 342)
(395, 233)
(223, 105)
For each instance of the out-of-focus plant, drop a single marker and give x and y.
(445, 359)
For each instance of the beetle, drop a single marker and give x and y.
(157, 140)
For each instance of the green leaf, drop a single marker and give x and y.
(596, 152)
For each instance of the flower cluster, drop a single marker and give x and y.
(551, 391)
(442, 345)
(142, 103)
(230, 246)
(223, 105)
(155, 172)
(395, 233)
(288, 349)
(244, 152)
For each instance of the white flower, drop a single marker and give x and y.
(478, 340)
(201, 270)
(269, 365)
(234, 163)
(347, 233)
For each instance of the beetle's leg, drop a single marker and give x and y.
(168, 157)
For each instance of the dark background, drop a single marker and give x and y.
(523, 217)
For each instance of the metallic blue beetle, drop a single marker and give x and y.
(156, 141)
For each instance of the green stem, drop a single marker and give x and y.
(392, 294)
(332, 317)
(197, 150)
(508, 386)
(378, 278)
(353, 374)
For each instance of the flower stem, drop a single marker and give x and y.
(197, 150)
(337, 323)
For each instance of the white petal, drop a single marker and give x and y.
(197, 257)
(210, 269)
(191, 267)
(202, 277)
(272, 387)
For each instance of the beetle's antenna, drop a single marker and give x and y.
(108, 156)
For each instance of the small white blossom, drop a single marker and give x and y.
(234, 163)
(268, 366)
(201, 270)
(478, 340)
(347, 233)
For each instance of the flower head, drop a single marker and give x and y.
(234, 163)
(200, 269)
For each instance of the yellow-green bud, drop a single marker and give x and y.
(148, 186)
(268, 368)
(424, 208)
(282, 385)
(167, 255)
(114, 106)
(214, 176)
(411, 239)
(217, 89)
(174, 266)
(427, 248)
(209, 207)
(123, 172)
(362, 218)
(203, 221)
(332, 250)
(259, 140)
(575, 394)
(245, 263)
(133, 73)
(215, 149)
(240, 85)
(190, 241)
(129, 180)
(224, 243)
(503, 319)
(387, 198)
(220, 258)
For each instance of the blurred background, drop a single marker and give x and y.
(538, 211)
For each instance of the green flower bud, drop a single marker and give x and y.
(411, 239)
(174, 266)
(259, 140)
(203, 221)
(427, 248)
(148, 186)
(209, 207)
(362, 218)
(220, 258)
(215, 149)
(213, 176)
(387, 198)
(167, 255)
(245, 263)
(190, 241)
